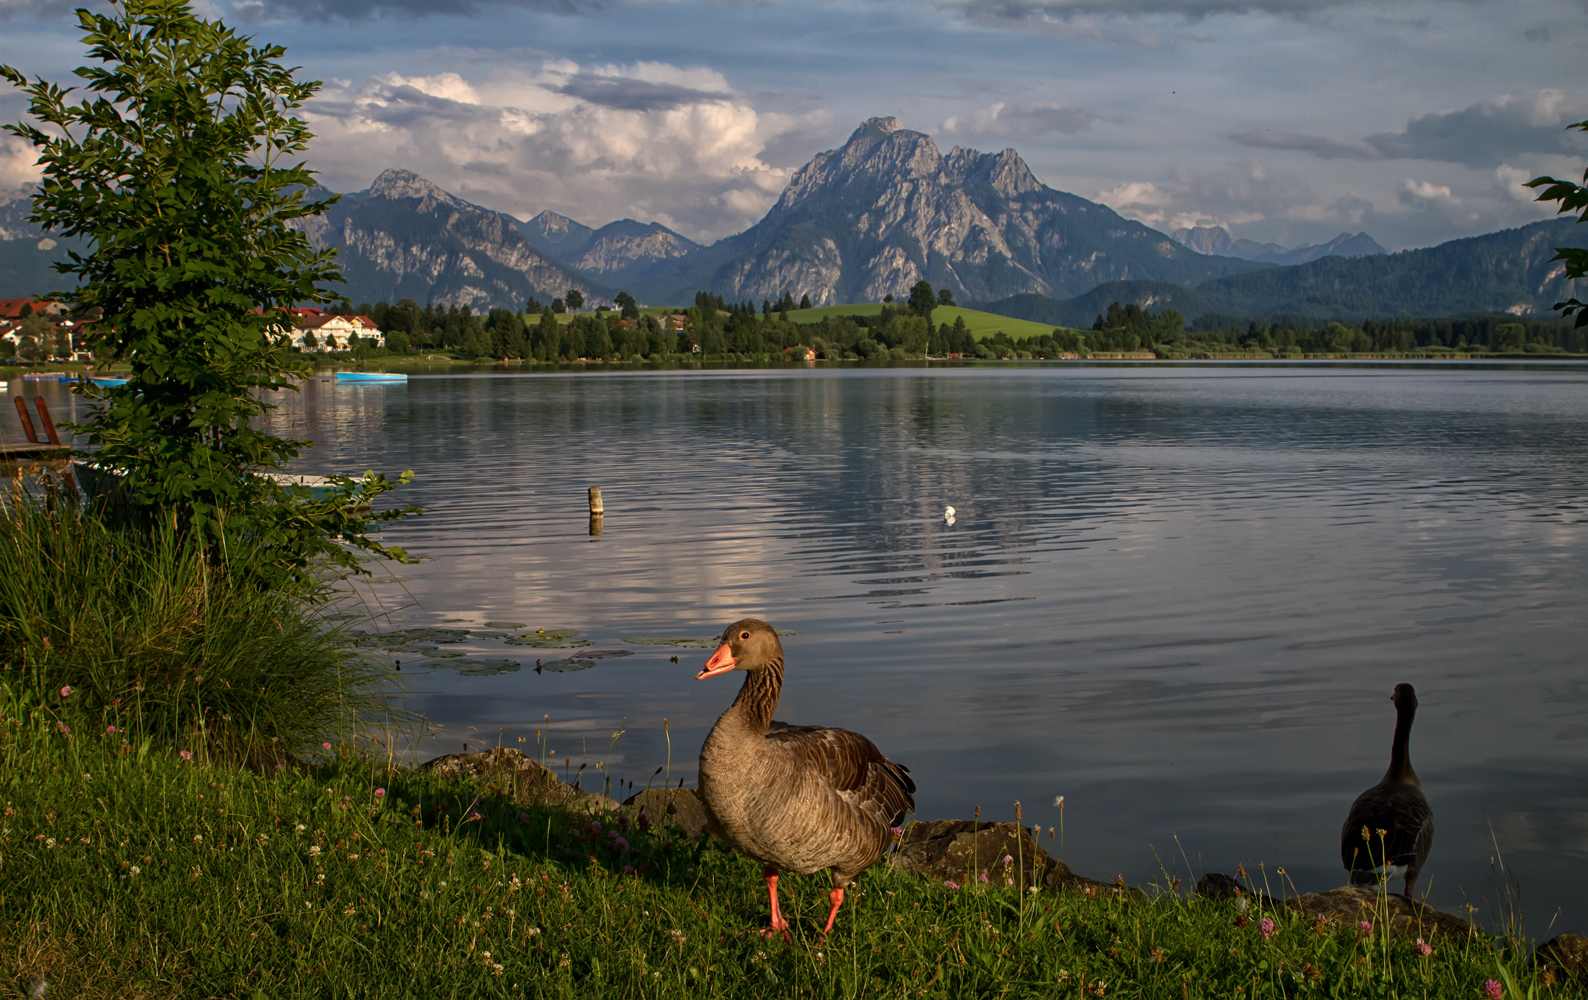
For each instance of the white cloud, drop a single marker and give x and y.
(1415, 190)
(1022, 121)
(646, 140)
(19, 163)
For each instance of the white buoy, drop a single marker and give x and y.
(948, 515)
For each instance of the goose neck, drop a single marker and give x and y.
(759, 695)
(1400, 768)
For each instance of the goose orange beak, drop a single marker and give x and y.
(721, 662)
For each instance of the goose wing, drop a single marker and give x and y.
(853, 766)
(1403, 813)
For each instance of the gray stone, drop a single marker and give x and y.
(962, 851)
(1565, 957)
(1350, 905)
(678, 808)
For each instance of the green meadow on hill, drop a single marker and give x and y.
(981, 324)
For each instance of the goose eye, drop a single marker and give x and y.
(744, 635)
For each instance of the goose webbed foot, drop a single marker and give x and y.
(779, 925)
(837, 898)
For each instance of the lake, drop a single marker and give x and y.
(1177, 596)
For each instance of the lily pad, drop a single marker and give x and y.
(544, 639)
(487, 667)
(671, 640)
(435, 663)
(505, 625)
(604, 654)
(564, 666)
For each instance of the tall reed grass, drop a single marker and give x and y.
(101, 615)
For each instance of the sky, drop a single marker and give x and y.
(1285, 121)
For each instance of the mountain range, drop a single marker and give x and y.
(1218, 241)
(873, 217)
(1510, 271)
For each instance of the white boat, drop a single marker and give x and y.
(371, 377)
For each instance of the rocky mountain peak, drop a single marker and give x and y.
(551, 222)
(406, 184)
(876, 128)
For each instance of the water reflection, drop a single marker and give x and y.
(1179, 597)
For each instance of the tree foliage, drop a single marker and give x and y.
(1572, 198)
(179, 169)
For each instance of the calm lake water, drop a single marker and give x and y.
(1177, 596)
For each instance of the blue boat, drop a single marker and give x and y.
(108, 381)
(371, 377)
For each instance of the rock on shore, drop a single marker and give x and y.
(963, 851)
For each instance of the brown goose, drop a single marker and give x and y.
(1390, 827)
(795, 798)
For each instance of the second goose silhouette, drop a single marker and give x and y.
(1390, 827)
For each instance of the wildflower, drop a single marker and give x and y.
(533, 931)
(1493, 990)
(951, 884)
(66, 692)
(50, 842)
(185, 754)
(442, 885)
(898, 831)
(622, 846)
(1364, 926)
(198, 838)
(628, 869)
(564, 963)
(1009, 881)
(1424, 948)
(110, 729)
(984, 876)
(349, 912)
(352, 857)
(326, 746)
(314, 851)
(380, 793)
(299, 828)
(656, 975)
(1008, 860)
(1267, 927)
(1036, 889)
(135, 870)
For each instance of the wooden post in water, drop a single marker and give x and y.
(596, 510)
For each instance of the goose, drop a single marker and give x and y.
(1390, 828)
(794, 798)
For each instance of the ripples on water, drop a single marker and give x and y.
(1180, 597)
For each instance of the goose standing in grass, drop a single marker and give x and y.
(795, 798)
(1390, 827)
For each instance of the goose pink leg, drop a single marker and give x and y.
(779, 925)
(837, 897)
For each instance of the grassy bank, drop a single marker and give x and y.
(981, 324)
(133, 869)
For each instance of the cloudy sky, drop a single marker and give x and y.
(1286, 121)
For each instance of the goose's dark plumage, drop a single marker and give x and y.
(795, 798)
(1390, 827)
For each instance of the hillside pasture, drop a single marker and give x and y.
(981, 324)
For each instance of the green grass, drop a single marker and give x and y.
(981, 324)
(132, 872)
(138, 614)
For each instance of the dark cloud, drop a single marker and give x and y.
(1044, 14)
(623, 93)
(327, 11)
(1485, 134)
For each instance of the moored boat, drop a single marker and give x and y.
(371, 377)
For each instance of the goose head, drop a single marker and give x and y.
(748, 644)
(1405, 698)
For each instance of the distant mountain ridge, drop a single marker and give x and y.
(404, 237)
(612, 248)
(1506, 271)
(1217, 240)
